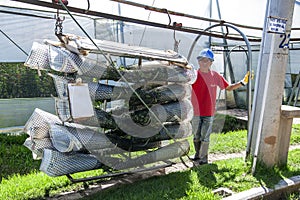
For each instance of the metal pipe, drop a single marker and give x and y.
(258, 137)
(251, 120)
(226, 52)
(296, 84)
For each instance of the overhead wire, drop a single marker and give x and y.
(25, 14)
(10, 39)
(142, 38)
(144, 31)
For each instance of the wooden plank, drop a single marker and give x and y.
(121, 49)
(290, 111)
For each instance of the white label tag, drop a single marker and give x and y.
(80, 101)
(276, 25)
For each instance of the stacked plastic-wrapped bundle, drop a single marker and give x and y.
(104, 112)
(42, 144)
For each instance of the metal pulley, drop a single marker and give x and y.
(65, 2)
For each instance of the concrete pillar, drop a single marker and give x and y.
(270, 84)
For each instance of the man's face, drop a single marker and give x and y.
(204, 62)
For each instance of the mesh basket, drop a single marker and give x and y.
(37, 124)
(63, 140)
(174, 131)
(169, 112)
(154, 71)
(61, 85)
(67, 138)
(95, 69)
(55, 163)
(62, 60)
(63, 109)
(38, 57)
(160, 95)
(100, 92)
(170, 151)
(168, 132)
(37, 146)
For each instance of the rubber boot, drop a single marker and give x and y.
(203, 154)
(197, 146)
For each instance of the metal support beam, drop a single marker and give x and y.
(132, 20)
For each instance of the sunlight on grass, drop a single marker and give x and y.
(230, 142)
(32, 185)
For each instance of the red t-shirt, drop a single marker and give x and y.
(204, 92)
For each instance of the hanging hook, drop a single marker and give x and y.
(176, 42)
(59, 20)
(227, 31)
(168, 16)
(88, 8)
(58, 26)
(175, 25)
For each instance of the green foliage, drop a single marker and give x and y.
(18, 81)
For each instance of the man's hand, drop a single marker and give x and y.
(245, 79)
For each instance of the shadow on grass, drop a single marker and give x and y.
(271, 176)
(224, 174)
(197, 181)
(157, 187)
(206, 174)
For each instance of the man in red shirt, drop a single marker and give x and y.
(204, 102)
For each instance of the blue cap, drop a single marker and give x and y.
(206, 53)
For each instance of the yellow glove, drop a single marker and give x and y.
(245, 79)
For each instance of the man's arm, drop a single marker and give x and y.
(234, 86)
(237, 85)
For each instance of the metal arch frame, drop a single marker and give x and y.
(228, 57)
(249, 64)
(229, 52)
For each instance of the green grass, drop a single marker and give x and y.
(21, 178)
(295, 137)
(14, 157)
(198, 182)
